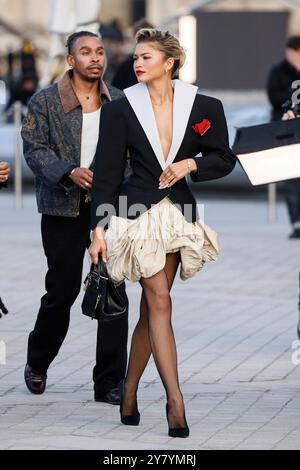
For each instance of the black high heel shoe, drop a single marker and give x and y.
(178, 432)
(3, 308)
(129, 420)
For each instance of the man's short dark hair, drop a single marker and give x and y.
(80, 34)
(293, 42)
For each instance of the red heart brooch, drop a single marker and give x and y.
(202, 127)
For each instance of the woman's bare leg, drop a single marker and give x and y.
(140, 345)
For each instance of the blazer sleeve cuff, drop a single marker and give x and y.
(65, 181)
(213, 166)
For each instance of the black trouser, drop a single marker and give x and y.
(292, 195)
(65, 240)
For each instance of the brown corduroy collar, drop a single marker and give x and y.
(68, 96)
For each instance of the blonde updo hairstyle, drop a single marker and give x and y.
(165, 43)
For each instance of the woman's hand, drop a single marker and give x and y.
(175, 172)
(98, 245)
(4, 171)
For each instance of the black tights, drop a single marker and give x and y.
(154, 334)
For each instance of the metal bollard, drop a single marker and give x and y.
(272, 197)
(18, 157)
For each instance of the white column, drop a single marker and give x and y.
(188, 39)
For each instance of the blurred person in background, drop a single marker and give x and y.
(27, 58)
(279, 89)
(60, 136)
(22, 91)
(112, 35)
(125, 75)
(22, 87)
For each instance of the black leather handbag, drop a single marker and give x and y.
(103, 299)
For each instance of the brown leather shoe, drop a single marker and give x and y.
(35, 381)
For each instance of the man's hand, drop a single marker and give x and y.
(175, 172)
(4, 171)
(82, 177)
(98, 245)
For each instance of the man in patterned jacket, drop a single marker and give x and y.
(60, 136)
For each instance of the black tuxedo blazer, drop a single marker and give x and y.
(128, 126)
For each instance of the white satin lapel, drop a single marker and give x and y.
(184, 97)
(139, 99)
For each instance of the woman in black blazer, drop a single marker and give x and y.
(152, 219)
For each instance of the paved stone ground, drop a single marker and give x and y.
(235, 323)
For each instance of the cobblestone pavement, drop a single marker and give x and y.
(235, 323)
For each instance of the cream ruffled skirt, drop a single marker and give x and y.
(137, 248)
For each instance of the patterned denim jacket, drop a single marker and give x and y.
(51, 135)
